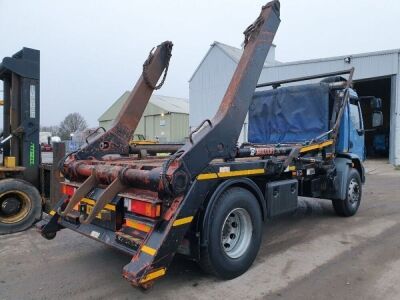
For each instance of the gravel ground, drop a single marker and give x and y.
(312, 254)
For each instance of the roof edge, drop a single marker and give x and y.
(202, 60)
(332, 58)
(103, 116)
(218, 44)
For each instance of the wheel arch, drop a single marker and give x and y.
(245, 183)
(344, 163)
(356, 163)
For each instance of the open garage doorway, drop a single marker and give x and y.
(376, 141)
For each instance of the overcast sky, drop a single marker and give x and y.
(92, 51)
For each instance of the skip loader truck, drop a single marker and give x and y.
(208, 199)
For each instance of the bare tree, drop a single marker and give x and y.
(72, 123)
(54, 129)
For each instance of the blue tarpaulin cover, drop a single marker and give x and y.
(289, 114)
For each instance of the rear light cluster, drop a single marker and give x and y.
(67, 190)
(143, 208)
(148, 209)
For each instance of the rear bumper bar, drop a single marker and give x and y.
(94, 232)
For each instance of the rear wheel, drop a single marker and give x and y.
(234, 234)
(20, 205)
(349, 206)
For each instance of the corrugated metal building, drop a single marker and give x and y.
(209, 81)
(376, 74)
(165, 118)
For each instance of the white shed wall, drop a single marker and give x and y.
(208, 86)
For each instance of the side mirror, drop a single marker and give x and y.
(377, 119)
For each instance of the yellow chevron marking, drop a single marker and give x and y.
(148, 250)
(153, 275)
(92, 202)
(242, 173)
(182, 221)
(207, 176)
(316, 146)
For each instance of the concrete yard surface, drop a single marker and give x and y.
(312, 254)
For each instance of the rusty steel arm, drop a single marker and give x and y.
(116, 140)
(219, 138)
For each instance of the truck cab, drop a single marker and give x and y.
(353, 138)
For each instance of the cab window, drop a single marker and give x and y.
(355, 116)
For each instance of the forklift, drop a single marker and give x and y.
(20, 199)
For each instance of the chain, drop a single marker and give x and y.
(147, 63)
(252, 28)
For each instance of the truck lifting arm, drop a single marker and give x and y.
(116, 140)
(219, 138)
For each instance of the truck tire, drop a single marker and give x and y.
(349, 206)
(20, 205)
(234, 234)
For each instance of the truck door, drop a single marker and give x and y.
(356, 129)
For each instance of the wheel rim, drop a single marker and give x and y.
(236, 233)
(353, 192)
(14, 206)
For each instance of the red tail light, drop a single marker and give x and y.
(143, 208)
(68, 190)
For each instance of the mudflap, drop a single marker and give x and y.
(50, 224)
